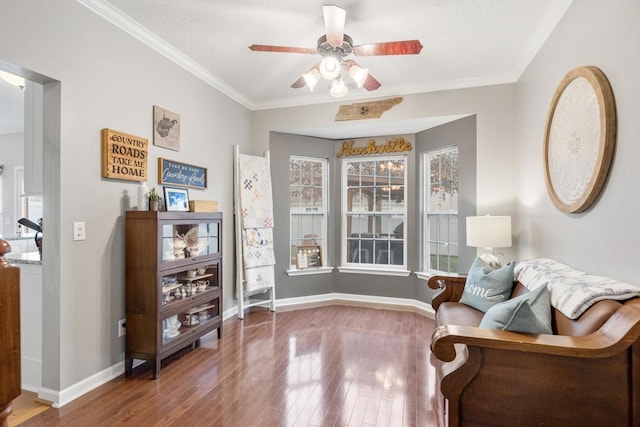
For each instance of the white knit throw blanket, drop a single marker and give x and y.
(572, 291)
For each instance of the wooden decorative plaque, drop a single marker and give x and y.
(175, 173)
(124, 156)
(580, 139)
(366, 110)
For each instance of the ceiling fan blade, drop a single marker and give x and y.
(404, 47)
(282, 49)
(334, 20)
(300, 83)
(371, 83)
(311, 78)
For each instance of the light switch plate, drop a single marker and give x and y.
(79, 232)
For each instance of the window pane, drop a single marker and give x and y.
(441, 210)
(308, 216)
(372, 238)
(317, 197)
(294, 173)
(316, 175)
(294, 198)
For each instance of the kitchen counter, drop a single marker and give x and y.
(24, 258)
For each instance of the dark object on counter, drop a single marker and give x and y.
(37, 228)
(30, 224)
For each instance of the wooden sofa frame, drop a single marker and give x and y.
(500, 378)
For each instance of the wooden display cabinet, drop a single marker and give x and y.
(173, 283)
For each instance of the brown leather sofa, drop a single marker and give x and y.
(586, 374)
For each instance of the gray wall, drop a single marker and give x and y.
(460, 132)
(604, 239)
(493, 107)
(281, 147)
(108, 80)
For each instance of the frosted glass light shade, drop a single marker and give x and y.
(358, 74)
(312, 78)
(12, 79)
(330, 67)
(338, 89)
(489, 231)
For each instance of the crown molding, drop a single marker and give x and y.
(132, 27)
(556, 12)
(135, 29)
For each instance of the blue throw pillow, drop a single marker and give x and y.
(485, 286)
(530, 312)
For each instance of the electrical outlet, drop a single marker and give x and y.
(79, 231)
(122, 327)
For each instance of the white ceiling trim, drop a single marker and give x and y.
(124, 22)
(135, 29)
(559, 8)
(387, 91)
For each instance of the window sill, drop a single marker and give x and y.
(309, 271)
(376, 271)
(425, 275)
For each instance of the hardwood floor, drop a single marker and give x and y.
(26, 406)
(324, 366)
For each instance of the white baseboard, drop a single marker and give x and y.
(383, 302)
(61, 398)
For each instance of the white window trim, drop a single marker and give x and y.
(292, 271)
(348, 267)
(426, 271)
(310, 271)
(427, 274)
(368, 269)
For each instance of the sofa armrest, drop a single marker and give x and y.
(620, 331)
(451, 289)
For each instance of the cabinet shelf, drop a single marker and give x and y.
(158, 322)
(194, 278)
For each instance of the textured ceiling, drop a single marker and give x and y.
(466, 43)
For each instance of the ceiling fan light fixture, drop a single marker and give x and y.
(329, 67)
(337, 88)
(358, 74)
(334, 20)
(12, 79)
(312, 78)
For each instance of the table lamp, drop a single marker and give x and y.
(489, 232)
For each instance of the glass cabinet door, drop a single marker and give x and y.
(187, 240)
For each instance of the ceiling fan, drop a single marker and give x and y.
(334, 46)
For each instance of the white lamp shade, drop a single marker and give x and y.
(489, 231)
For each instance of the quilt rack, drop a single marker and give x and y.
(253, 210)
